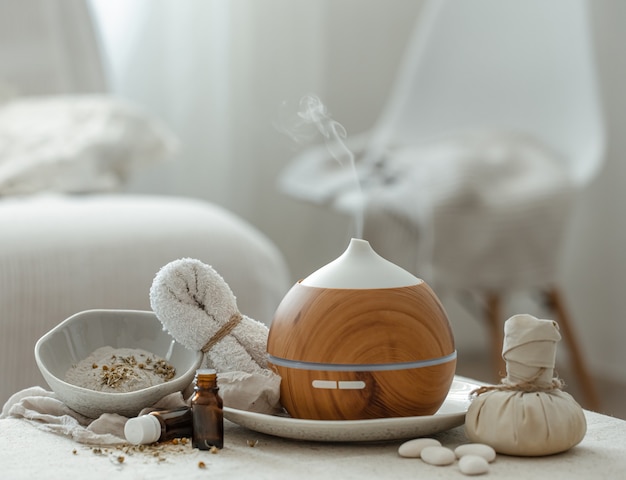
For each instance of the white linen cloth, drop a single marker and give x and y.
(46, 411)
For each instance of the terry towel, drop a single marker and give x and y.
(198, 308)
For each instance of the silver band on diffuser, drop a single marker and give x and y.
(360, 367)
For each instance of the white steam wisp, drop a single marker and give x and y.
(312, 119)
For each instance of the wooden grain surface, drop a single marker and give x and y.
(351, 326)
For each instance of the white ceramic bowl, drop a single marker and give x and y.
(77, 337)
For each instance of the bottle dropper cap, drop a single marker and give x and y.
(142, 430)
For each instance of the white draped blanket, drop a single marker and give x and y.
(482, 208)
(76, 143)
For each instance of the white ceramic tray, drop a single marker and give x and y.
(450, 415)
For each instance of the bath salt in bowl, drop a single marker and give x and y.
(113, 361)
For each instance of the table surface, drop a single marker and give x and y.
(27, 452)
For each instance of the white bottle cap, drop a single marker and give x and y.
(142, 430)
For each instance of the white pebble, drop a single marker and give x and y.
(473, 465)
(479, 449)
(438, 456)
(413, 448)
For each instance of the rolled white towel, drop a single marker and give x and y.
(197, 307)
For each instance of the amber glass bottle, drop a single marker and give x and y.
(207, 412)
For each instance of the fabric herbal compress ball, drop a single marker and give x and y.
(197, 307)
(528, 414)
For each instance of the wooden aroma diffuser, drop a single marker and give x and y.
(361, 338)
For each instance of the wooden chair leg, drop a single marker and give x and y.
(496, 330)
(556, 303)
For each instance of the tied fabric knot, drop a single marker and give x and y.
(224, 330)
(528, 386)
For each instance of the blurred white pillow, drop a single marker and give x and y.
(76, 143)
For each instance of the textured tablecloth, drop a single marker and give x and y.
(28, 453)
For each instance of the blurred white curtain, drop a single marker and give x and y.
(210, 69)
(217, 71)
(48, 46)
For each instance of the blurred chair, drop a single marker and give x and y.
(469, 176)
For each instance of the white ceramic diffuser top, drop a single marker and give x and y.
(360, 267)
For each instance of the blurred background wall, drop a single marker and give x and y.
(218, 72)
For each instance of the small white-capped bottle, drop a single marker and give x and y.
(159, 426)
